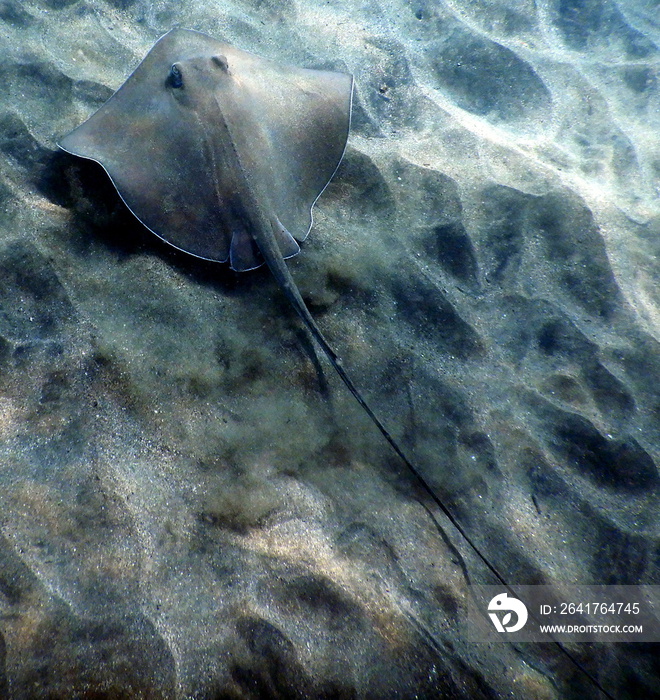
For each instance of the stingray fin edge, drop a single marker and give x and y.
(285, 241)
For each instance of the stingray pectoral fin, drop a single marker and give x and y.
(285, 241)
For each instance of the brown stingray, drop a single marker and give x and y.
(223, 154)
(207, 144)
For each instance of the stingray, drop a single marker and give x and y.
(223, 154)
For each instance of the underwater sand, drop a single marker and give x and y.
(192, 505)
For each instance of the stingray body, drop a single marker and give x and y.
(204, 140)
(222, 154)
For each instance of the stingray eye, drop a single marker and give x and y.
(175, 78)
(221, 62)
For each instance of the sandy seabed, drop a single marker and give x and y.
(191, 504)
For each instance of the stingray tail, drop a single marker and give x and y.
(273, 257)
(272, 252)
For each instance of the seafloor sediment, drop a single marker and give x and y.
(191, 504)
